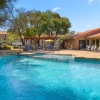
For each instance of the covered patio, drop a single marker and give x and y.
(94, 40)
(41, 43)
(34, 40)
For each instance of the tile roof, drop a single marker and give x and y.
(86, 33)
(94, 36)
(3, 32)
(73, 36)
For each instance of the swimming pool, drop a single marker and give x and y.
(29, 78)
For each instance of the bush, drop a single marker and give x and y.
(3, 47)
(6, 47)
(9, 47)
(0, 47)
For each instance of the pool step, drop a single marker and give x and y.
(27, 53)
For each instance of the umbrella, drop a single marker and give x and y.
(49, 40)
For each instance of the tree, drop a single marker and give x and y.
(65, 25)
(6, 8)
(20, 23)
(60, 25)
(72, 32)
(45, 22)
(13, 37)
(55, 24)
(30, 32)
(34, 23)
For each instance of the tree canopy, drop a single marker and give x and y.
(6, 7)
(35, 23)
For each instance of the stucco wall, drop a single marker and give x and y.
(70, 44)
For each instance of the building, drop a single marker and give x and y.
(82, 39)
(3, 36)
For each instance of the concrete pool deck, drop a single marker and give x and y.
(75, 53)
(79, 53)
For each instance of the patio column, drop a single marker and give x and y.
(43, 44)
(0, 37)
(99, 42)
(86, 42)
(25, 42)
(90, 42)
(95, 42)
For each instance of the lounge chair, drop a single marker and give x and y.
(71, 47)
(92, 47)
(88, 47)
(39, 48)
(56, 47)
(98, 49)
(28, 48)
(50, 48)
(95, 48)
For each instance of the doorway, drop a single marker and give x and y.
(97, 42)
(82, 44)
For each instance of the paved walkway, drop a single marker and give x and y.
(79, 53)
(76, 53)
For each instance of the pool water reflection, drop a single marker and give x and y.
(28, 78)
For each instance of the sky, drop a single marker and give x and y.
(83, 14)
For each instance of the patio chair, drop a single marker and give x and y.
(91, 49)
(71, 47)
(98, 49)
(56, 47)
(95, 48)
(27, 48)
(39, 48)
(88, 47)
(50, 48)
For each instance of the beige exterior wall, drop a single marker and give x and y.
(71, 44)
(75, 43)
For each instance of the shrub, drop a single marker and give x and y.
(6, 47)
(0, 47)
(9, 47)
(3, 47)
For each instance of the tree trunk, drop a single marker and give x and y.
(56, 34)
(38, 42)
(22, 40)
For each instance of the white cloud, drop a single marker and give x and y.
(89, 25)
(97, 23)
(90, 1)
(55, 9)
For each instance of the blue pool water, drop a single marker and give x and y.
(29, 78)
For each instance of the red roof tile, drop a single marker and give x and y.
(3, 32)
(94, 36)
(86, 33)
